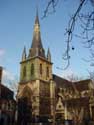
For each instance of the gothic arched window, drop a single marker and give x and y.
(24, 71)
(47, 72)
(41, 69)
(32, 69)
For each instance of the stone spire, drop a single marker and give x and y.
(49, 55)
(24, 54)
(36, 47)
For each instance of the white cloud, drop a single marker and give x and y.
(2, 52)
(9, 80)
(7, 76)
(68, 72)
(72, 75)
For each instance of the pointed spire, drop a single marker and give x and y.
(36, 47)
(24, 54)
(36, 43)
(37, 17)
(49, 55)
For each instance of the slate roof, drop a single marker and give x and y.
(5, 93)
(60, 82)
(82, 85)
(79, 85)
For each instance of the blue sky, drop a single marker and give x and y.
(16, 30)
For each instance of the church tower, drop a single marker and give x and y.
(36, 65)
(36, 82)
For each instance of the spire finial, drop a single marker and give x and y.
(37, 5)
(49, 55)
(24, 54)
(37, 17)
(37, 8)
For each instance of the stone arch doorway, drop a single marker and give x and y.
(25, 107)
(27, 93)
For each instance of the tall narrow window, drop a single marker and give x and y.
(47, 72)
(41, 69)
(24, 71)
(32, 69)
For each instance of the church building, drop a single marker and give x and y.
(44, 97)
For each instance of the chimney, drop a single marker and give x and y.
(1, 69)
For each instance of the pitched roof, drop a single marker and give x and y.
(78, 86)
(60, 82)
(5, 92)
(3, 87)
(82, 85)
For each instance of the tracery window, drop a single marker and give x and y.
(41, 69)
(24, 71)
(32, 69)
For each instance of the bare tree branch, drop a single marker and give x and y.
(69, 31)
(52, 4)
(86, 22)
